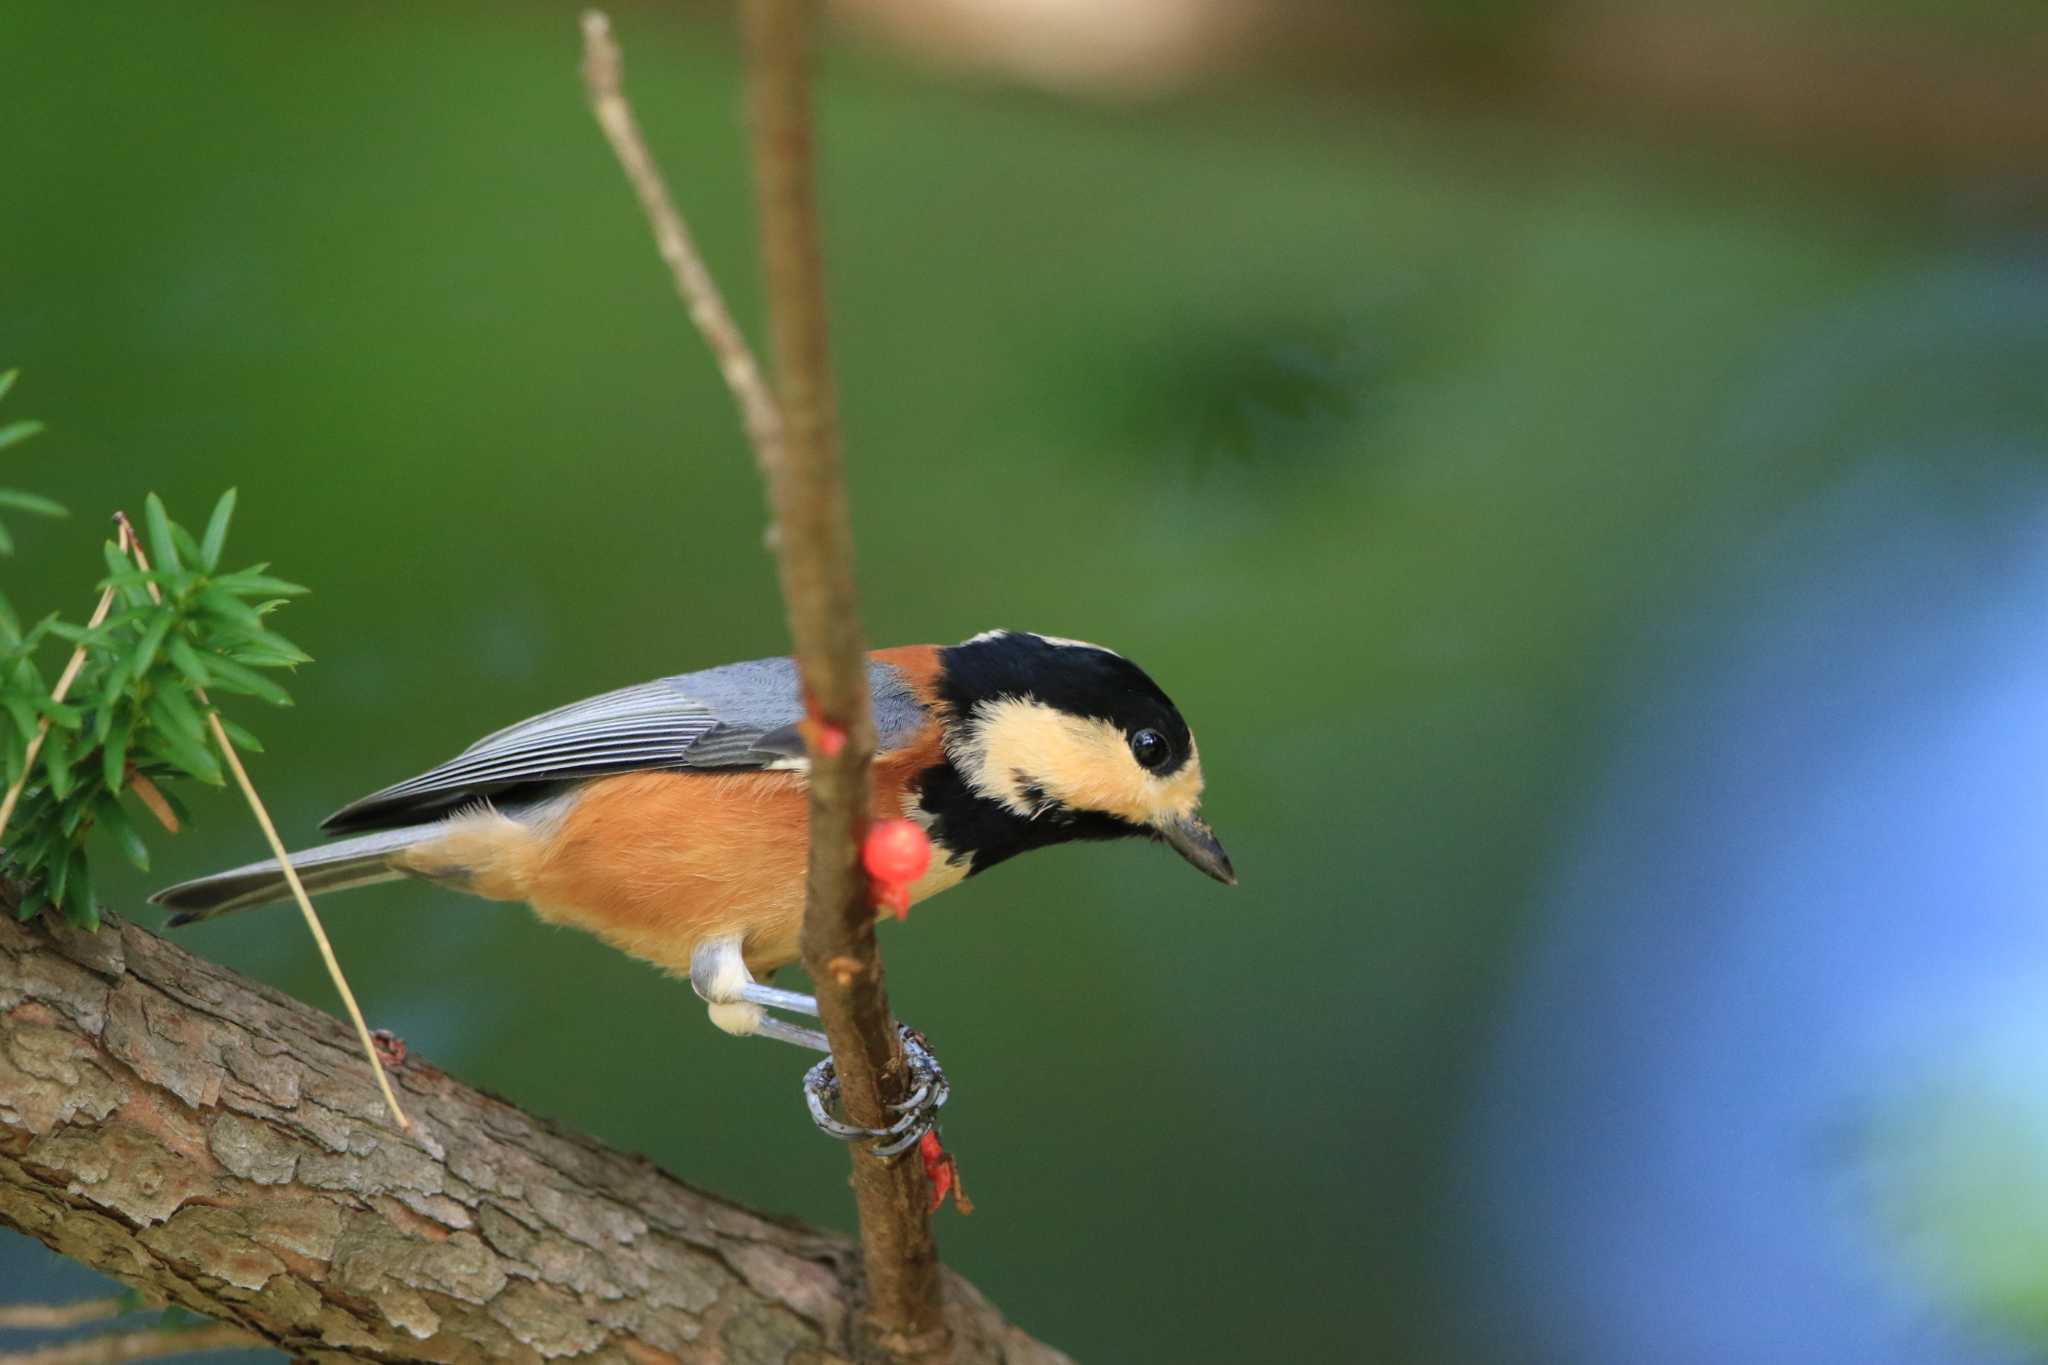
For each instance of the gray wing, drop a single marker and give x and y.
(740, 716)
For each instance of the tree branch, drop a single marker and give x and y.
(217, 1145)
(815, 555)
(796, 443)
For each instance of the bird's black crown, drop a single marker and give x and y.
(1079, 679)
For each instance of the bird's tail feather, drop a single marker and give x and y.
(340, 866)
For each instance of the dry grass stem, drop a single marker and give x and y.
(115, 1347)
(50, 1316)
(62, 689)
(284, 862)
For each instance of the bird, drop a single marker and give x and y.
(671, 818)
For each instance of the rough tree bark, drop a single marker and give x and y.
(218, 1145)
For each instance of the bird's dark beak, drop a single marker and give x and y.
(1192, 838)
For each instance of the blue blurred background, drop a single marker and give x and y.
(1583, 471)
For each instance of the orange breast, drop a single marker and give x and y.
(655, 863)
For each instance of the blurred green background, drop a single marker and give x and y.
(1378, 428)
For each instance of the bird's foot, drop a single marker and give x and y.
(919, 1110)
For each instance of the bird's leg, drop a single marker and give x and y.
(739, 1004)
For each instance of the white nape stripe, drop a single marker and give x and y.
(1049, 639)
(1078, 644)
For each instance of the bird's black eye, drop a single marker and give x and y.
(1150, 748)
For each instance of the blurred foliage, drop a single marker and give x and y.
(1498, 26)
(1955, 1161)
(1968, 21)
(13, 433)
(1378, 436)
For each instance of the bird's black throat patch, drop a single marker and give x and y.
(985, 832)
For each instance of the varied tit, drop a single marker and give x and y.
(670, 819)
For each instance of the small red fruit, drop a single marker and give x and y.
(897, 852)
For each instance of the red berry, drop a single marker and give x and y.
(897, 853)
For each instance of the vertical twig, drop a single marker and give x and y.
(60, 691)
(284, 862)
(796, 444)
(815, 555)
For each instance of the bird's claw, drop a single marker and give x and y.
(919, 1111)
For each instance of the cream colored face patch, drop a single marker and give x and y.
(1031, 758)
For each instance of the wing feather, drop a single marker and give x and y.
(653, 725)
(741, 716)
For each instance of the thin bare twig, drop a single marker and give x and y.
(115, 1347)
(49, 1316)
(796, 443)
(284, 862)
(603, 78)
(58, 693)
